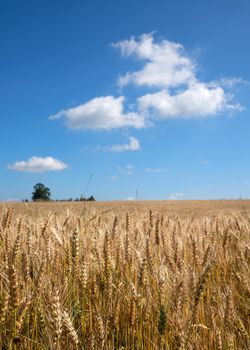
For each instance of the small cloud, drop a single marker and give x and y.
(156, 170)
(129, 199)
(87, 149)
(210, 186)
(133, 145)
(175, 196)
(125, 170)
(130, 169)
(38, 165)
(113, 178)
(231, 82)
(204, 162)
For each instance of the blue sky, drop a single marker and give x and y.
(139, 95)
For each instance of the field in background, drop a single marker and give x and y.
(182, 208)
(125, 275)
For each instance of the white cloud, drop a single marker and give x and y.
(232, 82)
(38, 165)
(166, 63)
(198, 100)
(100, 113)
(204, 162)
(130, 199)
(130, 169)
(113, 178)
(175, 196)
(126, 170)
(133, 145)
(167, 66)
(174, 91)
(156, 170)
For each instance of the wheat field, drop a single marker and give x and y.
(146, 275)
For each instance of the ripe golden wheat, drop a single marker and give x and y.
(129, 280)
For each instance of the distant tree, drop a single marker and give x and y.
(91, 198)
(41, 193)
(82, 199)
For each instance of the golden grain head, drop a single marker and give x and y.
(125, 276)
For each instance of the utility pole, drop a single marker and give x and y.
(136, 195)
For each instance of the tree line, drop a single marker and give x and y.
(41, 193)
